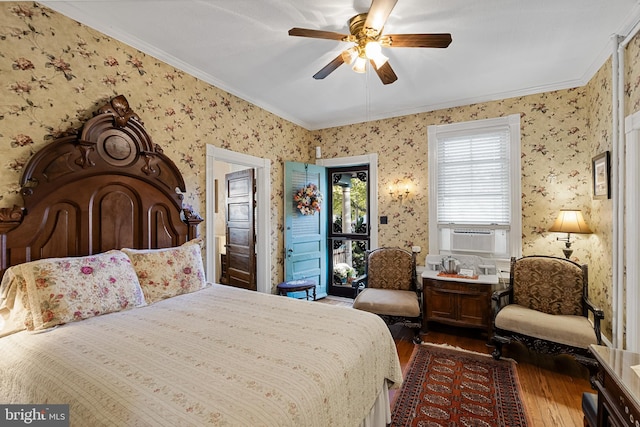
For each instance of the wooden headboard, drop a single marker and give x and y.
(107, 187)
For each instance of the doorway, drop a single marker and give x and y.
(262, 169)
(365, 162)
(238, 262)
(349, 227)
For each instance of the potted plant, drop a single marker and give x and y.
(345, 272)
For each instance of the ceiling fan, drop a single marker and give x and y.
(366, 33)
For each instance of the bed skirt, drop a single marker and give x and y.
(380, 415)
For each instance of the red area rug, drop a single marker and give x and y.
(444, 386)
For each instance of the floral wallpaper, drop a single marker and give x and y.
(555, 162)
(556, 152)
(55, 72)
(632, 77)
(599, 97)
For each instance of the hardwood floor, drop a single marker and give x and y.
(552, 387)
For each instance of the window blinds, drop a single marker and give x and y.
(473, 177)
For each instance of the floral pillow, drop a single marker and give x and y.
(164, 273)
(14, 304)
(62, 290)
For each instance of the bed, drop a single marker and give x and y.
(104, 305)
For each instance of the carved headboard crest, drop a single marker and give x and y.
(115, 137)
(106, 187)
(119, 108)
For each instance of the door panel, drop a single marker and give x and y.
(305, 235)
(240, 233)
(440, 305)
(472, 309)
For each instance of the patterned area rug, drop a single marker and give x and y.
(448, 387)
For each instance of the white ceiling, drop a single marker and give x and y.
(500, 49)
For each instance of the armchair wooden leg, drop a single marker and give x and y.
(497, 352)
(498, 342)
(417, 339)
(593, 367)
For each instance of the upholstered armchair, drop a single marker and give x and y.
(546, 308)
(390, 288)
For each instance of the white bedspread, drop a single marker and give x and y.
(220, 356)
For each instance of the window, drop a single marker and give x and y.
(474, 192)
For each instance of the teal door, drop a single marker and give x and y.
(305, 234)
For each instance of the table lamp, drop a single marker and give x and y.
(569, 221)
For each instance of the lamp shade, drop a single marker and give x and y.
(359, 65)
(570, 221)
(373, 51)
(350, 55)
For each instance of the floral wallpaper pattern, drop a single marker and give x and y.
(556, 152)
(54, 72)
(599, 97)
(554, 135)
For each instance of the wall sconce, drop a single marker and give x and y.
(569, 221)
(399, 194)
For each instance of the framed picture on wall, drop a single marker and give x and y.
(601, 176)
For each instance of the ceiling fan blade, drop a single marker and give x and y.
(316, 34)
(385, 72)
(378, 14)
(329, 68)
(419, 40)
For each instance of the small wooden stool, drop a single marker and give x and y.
(296, 286)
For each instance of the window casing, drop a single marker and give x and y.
(474, 190)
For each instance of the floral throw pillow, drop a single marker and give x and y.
(14, 302)
(164, 273)
(63, 290)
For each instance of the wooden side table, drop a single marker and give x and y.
(618, 385)
(458, 301)
(297, 286)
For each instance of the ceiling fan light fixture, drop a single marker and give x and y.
(360, 64)
(373, 51)
(372, 48)
(350, 55)
(366, 31)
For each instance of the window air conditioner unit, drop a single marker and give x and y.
(470, 240)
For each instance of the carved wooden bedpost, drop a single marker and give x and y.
(192, 219)
(10, 218)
